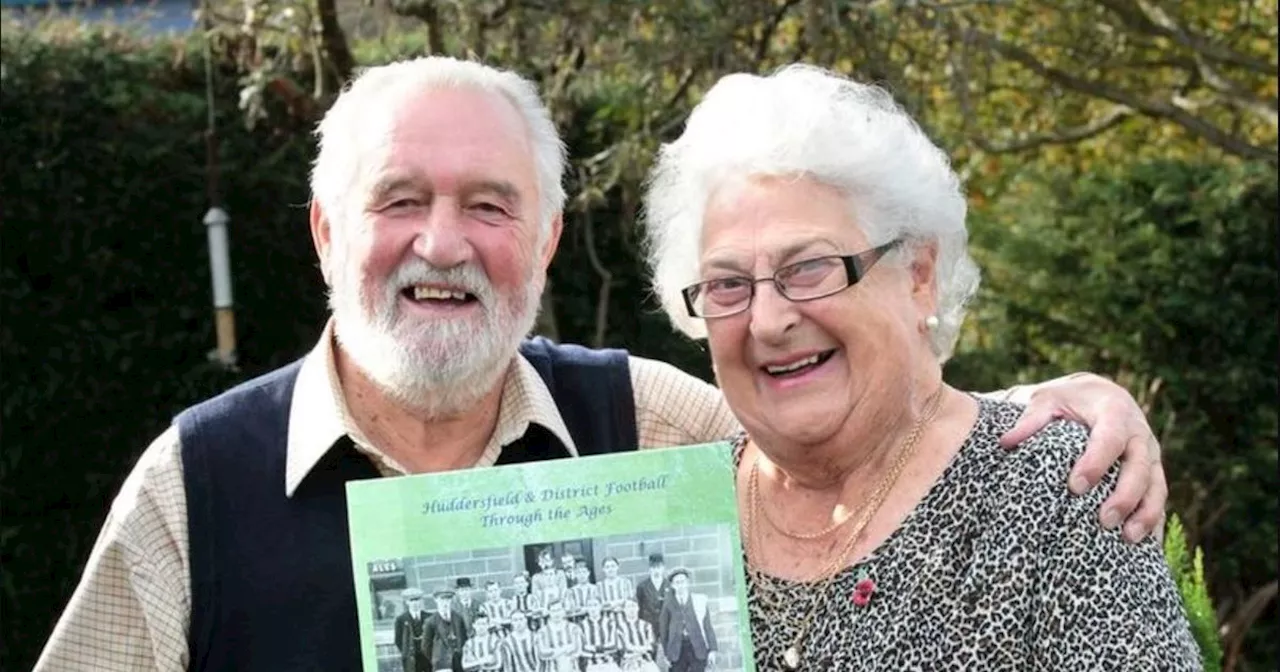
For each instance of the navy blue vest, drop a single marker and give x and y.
(271, 577)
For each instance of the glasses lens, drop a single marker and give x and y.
(722, 296)
(813, 278)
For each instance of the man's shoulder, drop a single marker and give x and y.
(152, 492)
(656, 368)
(221, 431)
(674, 407)
(539, 349)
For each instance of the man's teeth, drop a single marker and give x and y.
(439, 294)
(800, 364)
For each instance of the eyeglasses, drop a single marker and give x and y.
(802, 281)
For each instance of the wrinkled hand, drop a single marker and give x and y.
(1117, 429)
(711, 659)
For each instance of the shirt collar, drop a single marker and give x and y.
(526, 401)
(319, 417)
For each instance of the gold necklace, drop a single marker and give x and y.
(798, 536)
(791, 657)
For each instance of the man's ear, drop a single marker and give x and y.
(552, 241)
(321, 237)
(924, 279)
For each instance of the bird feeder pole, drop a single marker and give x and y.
(216, 220)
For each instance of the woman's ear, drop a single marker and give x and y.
(924, 279)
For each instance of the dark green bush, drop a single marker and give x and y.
(105, 297)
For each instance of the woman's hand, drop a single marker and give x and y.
(1117, 429)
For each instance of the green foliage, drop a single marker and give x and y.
(1188, 573)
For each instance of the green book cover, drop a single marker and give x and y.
(566, 565)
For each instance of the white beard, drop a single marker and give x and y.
(436, 368)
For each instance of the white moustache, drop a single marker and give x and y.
(469, 278)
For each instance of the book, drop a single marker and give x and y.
(565, 560)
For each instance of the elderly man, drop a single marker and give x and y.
(443, 638)
(436, 211)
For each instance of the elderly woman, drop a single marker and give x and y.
(810, 231)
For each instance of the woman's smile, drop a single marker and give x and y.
(793, 373)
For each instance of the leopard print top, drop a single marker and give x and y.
(997, 568)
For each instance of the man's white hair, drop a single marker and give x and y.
(338, 163)
(806, 121)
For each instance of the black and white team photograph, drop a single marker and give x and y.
(659, 601)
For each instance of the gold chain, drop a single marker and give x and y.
(798, 536)
(833, 567)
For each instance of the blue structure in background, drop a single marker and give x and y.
(154, 16)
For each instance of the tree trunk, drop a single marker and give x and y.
(338, 59)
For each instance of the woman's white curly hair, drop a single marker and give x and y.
(806, 121)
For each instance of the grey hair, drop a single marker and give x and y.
(807, 121)
(337, 165)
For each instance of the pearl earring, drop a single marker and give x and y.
(931, 322)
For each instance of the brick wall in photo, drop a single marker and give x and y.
(707, 552)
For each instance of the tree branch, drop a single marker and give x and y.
(486, 21)
(1156, 108)
(333, 43)
(1249, 612)
(664, 131)
(427, 12)
(1110, 119)
(606, 277)
(681, 89)
(771, 26)
(1143, 16)
(1235, 95)
(491, 19)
